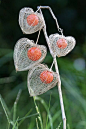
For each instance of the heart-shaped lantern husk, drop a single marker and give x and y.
(27, 54)
(30, 21)
(59, 50)
(41, 79)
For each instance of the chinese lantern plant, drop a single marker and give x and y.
(40, 77)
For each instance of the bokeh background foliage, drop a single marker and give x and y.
(71, 17)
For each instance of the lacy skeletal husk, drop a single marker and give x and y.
(58, 51)
(35, 85)
(21, 60)
(25, 27)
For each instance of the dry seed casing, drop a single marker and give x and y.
(21, 60)
(58, 51)
(35, 85)
(25, 27)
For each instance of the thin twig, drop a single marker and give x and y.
(56, 67)
(52, 65)
(38, 36)
(54, 17)
(60, 95)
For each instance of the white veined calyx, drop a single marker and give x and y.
(41, 79)
(61, 45)
(30, 21)
(27, 54)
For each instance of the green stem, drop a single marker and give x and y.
(4, 110)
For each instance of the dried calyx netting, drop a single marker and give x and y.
(25, 27)
(38, 83)
(57, 51)
(21, 60)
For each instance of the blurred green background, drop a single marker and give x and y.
(71, 15)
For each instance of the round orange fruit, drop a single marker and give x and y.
(46, 77)
(61, 43)
(34, 53)
(32, 20)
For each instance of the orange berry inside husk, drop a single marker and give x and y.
(46, 77)
(62, 43)
(32, 20)
(34, 53)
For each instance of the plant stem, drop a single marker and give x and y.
(60, 95)
(4, 110)
(56, 67)
(47, 109)
(15, 105)
(39, 117)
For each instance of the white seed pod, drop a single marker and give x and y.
(59, 51)
(21, 60)
(35, 85)
(25, 27)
